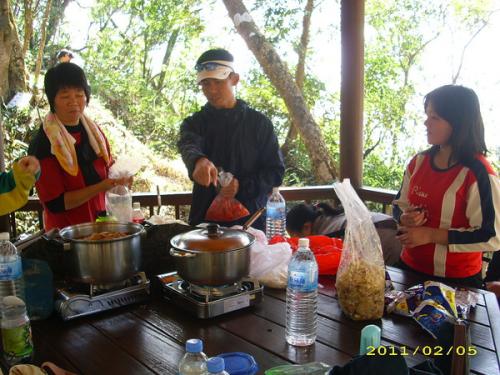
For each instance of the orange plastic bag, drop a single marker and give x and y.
(223, 208)
(327, 251)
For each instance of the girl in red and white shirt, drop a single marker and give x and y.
(449, 202)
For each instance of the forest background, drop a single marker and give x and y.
(139, 57)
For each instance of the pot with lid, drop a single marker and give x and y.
(212, 256)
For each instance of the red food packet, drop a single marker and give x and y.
(226, 209)
(223, 208)
(327, 251)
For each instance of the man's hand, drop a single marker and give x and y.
(29, 164)
(205, 172)
(230, 190)
(414, 217)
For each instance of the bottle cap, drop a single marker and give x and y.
(215, 364)
(136, 205)
(238, 363)
(303, 242)
(4, 236)
(370, 336)
(276, 189)
(194, 346)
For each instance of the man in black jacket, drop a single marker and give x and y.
(226, 133)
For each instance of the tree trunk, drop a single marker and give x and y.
(28, 25)
(12, 73)
(55, 17)
(41, 47)
(166, 58)
(299, 75)
(277, 71)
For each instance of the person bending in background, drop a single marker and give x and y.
(227, 133)
(322, 219)
(74, 154)
(449, 202)
(16, 184)
(64, 56)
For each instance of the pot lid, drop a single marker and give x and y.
(212, 238)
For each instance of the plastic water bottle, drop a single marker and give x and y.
(216, 366)
(11, 269)
(137, 215)
(194, 361)
(275, 214)
(302, 297)
(16, 331)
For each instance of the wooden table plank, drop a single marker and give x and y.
(86, 348)
(157, 351)
(181, 326)
(271, 337)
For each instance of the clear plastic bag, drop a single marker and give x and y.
(360, 280)
(119, 203)
(223, 208)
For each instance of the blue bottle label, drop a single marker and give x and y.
(302, 281)
(11, 270)
(275, 212)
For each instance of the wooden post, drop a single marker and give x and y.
(351, 90)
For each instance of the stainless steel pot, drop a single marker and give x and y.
(102, 261)
(212, 256)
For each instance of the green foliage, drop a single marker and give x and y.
(136, 74)
(379, 173)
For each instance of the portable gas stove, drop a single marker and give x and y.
(207, 301)
(76, 300)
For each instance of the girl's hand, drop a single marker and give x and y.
(413, 217)
(29, 164)
(417, 236)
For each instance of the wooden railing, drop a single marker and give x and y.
(379, 200)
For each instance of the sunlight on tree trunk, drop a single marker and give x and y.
(28, 25)
(12, 72)
(41, 47)
(277, 71)
(299, 74)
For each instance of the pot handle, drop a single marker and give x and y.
(181, 254)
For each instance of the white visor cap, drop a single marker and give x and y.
(221, 70)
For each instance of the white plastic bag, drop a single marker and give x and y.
(360, 280)
(268, 263)
(125, 167)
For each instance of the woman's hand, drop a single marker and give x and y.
(413, 217)
(110, 183)
(417, 236)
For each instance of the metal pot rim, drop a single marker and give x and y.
(137, 227)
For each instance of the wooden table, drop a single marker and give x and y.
(149, 339)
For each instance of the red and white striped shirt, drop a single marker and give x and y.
(465, 200)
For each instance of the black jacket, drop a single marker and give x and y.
(241, 141)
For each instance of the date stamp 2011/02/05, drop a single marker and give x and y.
(427, 350)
